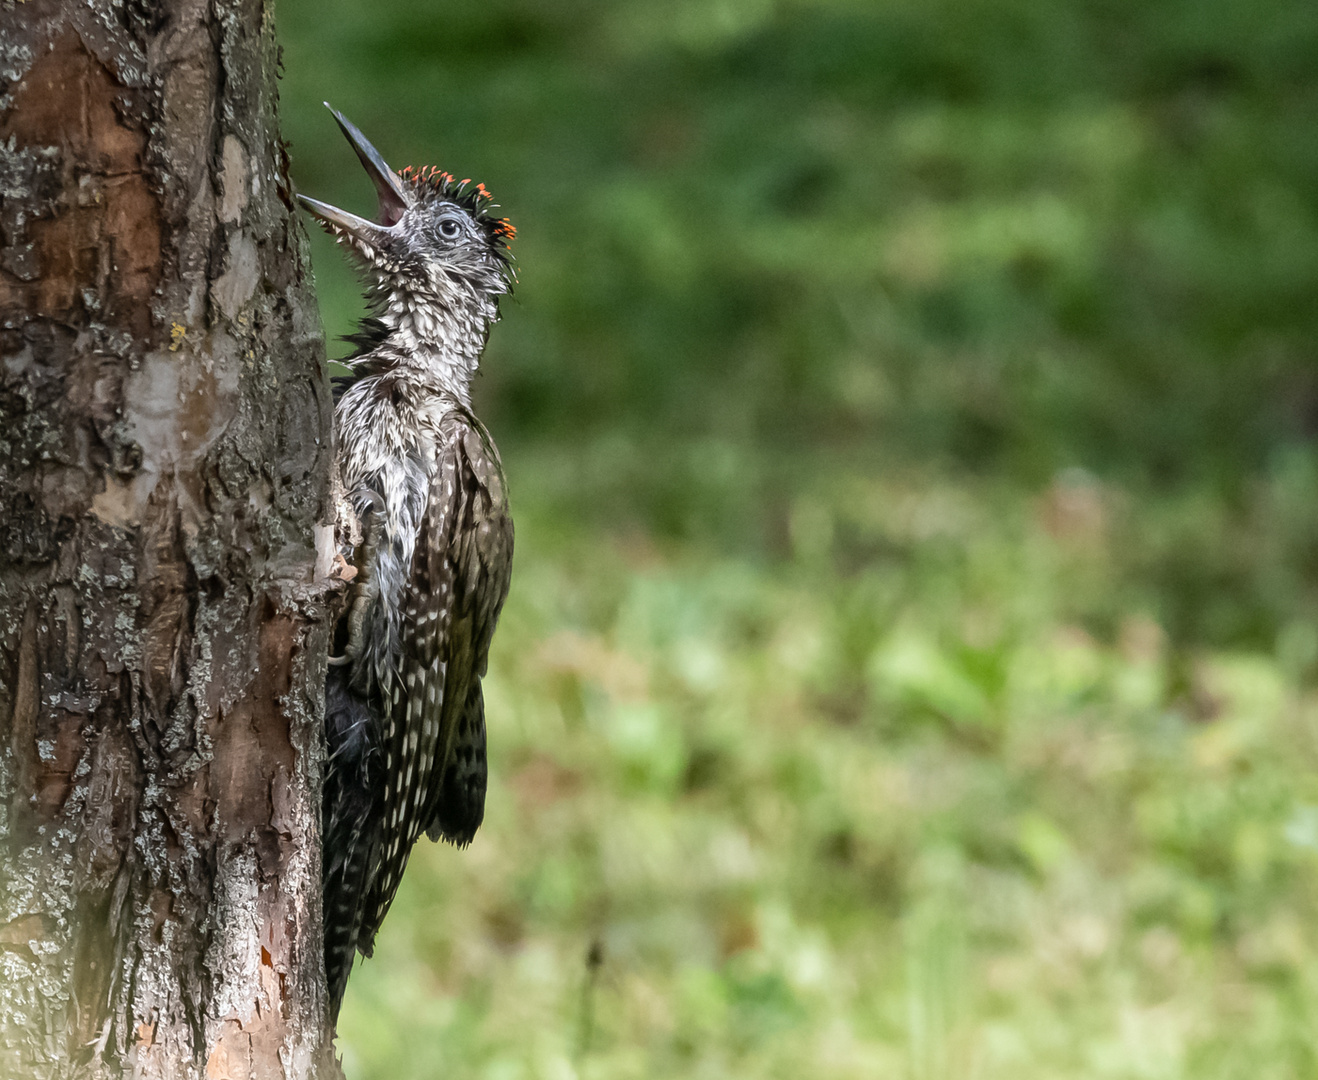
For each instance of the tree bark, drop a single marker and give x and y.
(164, 456)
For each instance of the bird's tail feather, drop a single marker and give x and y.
(348, 826)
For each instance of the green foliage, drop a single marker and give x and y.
(1005, 828)
(1012, 234)
(910, 665)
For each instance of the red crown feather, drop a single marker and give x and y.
(433, 183)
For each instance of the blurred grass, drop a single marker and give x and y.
(911, 667)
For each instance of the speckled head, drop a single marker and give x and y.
(432, 234)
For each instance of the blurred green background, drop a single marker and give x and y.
(911, 668)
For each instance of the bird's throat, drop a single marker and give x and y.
(436, 341)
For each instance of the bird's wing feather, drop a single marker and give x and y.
(484, 554)
(460, 574)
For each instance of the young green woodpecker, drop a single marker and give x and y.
(404, 716)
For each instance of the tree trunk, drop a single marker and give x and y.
(164, 455)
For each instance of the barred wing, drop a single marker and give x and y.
(435, 732)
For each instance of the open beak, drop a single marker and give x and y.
(389, 189)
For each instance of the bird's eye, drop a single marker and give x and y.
(449, 229)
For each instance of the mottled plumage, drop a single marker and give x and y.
(405, 716)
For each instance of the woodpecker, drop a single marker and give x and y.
(428, 549)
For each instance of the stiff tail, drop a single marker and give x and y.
(349, 825)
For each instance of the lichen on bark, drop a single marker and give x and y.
(164, 457)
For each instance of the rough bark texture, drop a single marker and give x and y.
(164, 442)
